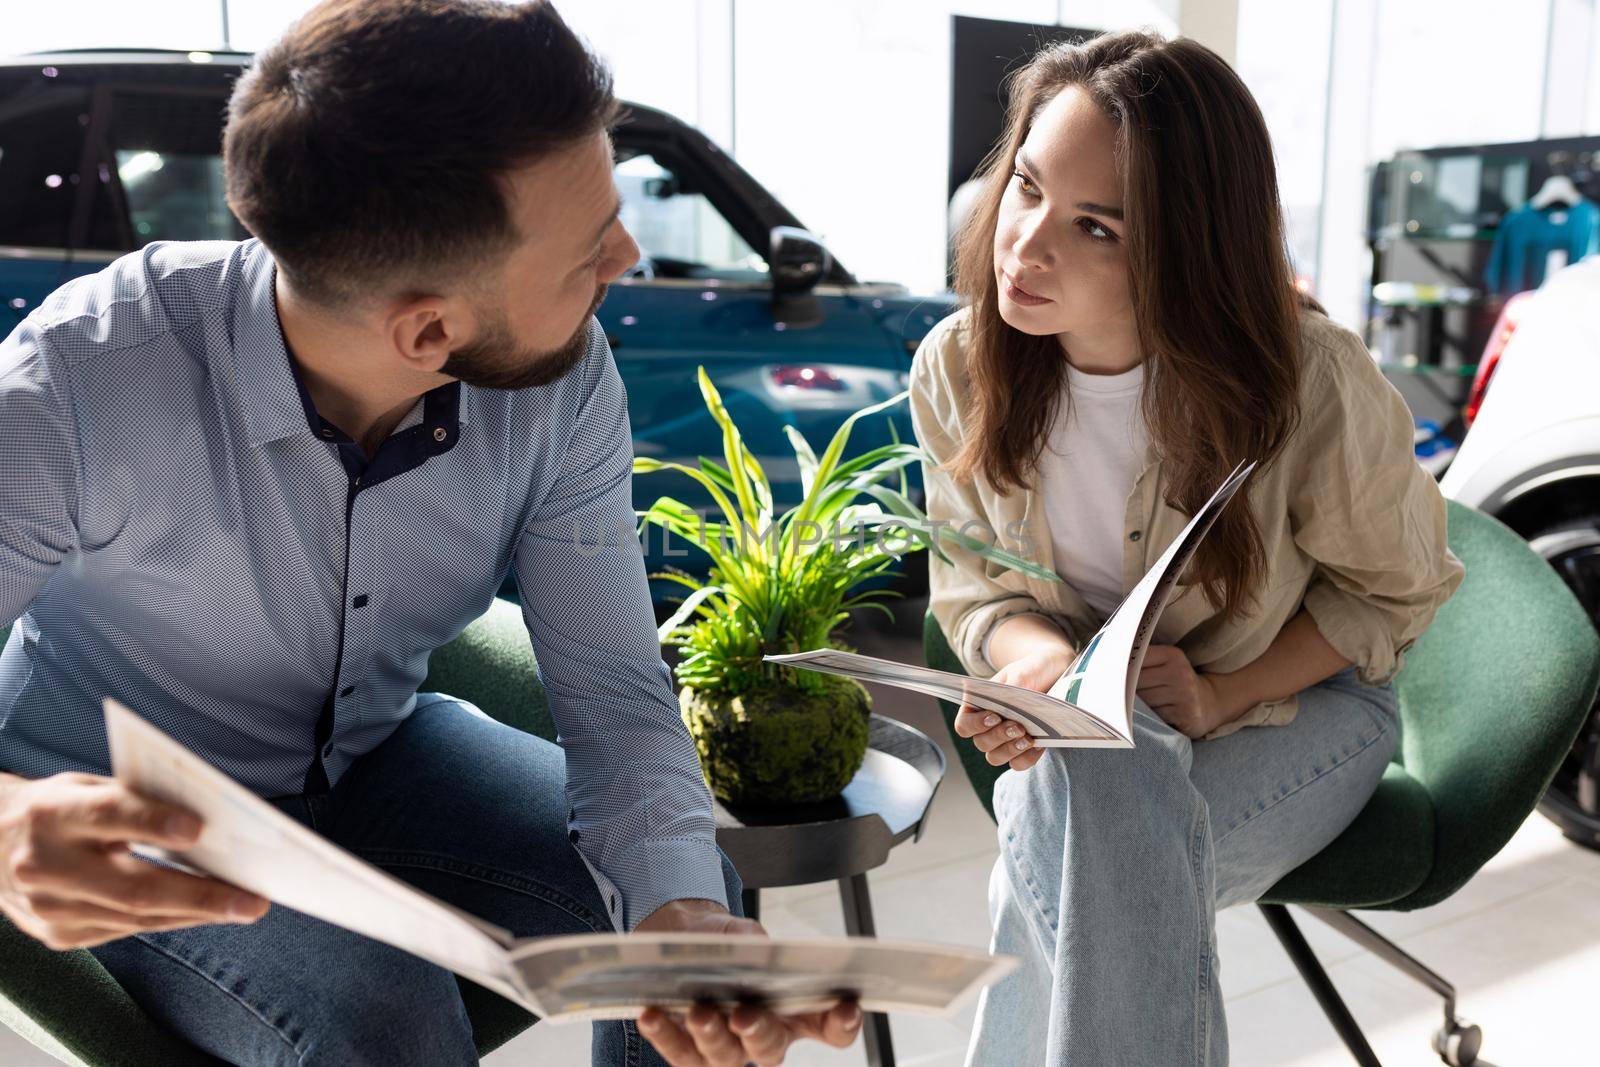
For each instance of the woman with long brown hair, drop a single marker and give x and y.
(1130, 332)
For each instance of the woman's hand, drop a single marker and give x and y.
(1002, 740)
(1185, 699)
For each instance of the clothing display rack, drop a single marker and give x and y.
(1454, 233)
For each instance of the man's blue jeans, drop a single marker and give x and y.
(460, 806)
(1113, 864)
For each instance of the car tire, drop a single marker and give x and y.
(1572, 802)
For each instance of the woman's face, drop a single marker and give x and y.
(1059, 258)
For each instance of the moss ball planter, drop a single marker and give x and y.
(775, 745)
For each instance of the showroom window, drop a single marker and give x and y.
(167, 154)
(680, 232)
(172, 196)
(41, 148)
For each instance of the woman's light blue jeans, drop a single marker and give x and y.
(1114, 862)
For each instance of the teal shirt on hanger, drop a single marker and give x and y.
(1528, 235)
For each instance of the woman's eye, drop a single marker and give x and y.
(1027, 187)
(1096, 231)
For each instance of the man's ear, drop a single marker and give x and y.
(424, 330)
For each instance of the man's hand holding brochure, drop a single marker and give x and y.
(1091, 704)
(249, 843)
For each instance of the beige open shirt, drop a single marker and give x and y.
(1354, 528)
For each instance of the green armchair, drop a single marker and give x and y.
(67, 1004)
(1491, 698)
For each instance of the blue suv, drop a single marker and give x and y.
(102, 152)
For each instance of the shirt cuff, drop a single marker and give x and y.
(1267, 713)
(659, 872)
(972, 648)
(1357, 631)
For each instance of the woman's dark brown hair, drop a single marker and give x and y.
(1213, 295)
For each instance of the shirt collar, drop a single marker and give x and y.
(275, 405)
(271, 400)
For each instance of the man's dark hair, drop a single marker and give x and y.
(367, 146)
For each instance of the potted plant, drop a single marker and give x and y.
(767, 734)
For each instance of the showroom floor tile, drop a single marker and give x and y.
(1521, 941)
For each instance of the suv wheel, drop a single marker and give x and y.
(1573, 800)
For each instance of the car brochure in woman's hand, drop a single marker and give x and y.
(251, 844)
(1091, 705)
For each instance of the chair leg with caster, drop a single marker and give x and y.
(1457, 1042)
(1310, 968)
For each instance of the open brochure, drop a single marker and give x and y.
(247, 842)
(1091, 705)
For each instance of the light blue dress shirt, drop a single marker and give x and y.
(179, 531)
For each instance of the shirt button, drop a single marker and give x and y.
(572, 836)
(347, 690)
(440, 433)
(328, 434)
(1135, 535)
(327, 750)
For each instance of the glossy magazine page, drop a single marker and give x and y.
(608, 977)
(1049, 719)
(1091, 705)
(250, 844)
(1105, 675)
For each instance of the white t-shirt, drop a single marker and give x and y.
(1091, 460)
(1094, 456)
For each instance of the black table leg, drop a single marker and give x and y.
(858, 923)
(751, 898)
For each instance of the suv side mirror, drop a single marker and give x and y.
(797, 261)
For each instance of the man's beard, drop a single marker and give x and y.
(494, 360)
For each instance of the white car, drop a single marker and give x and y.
(1531, 458)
